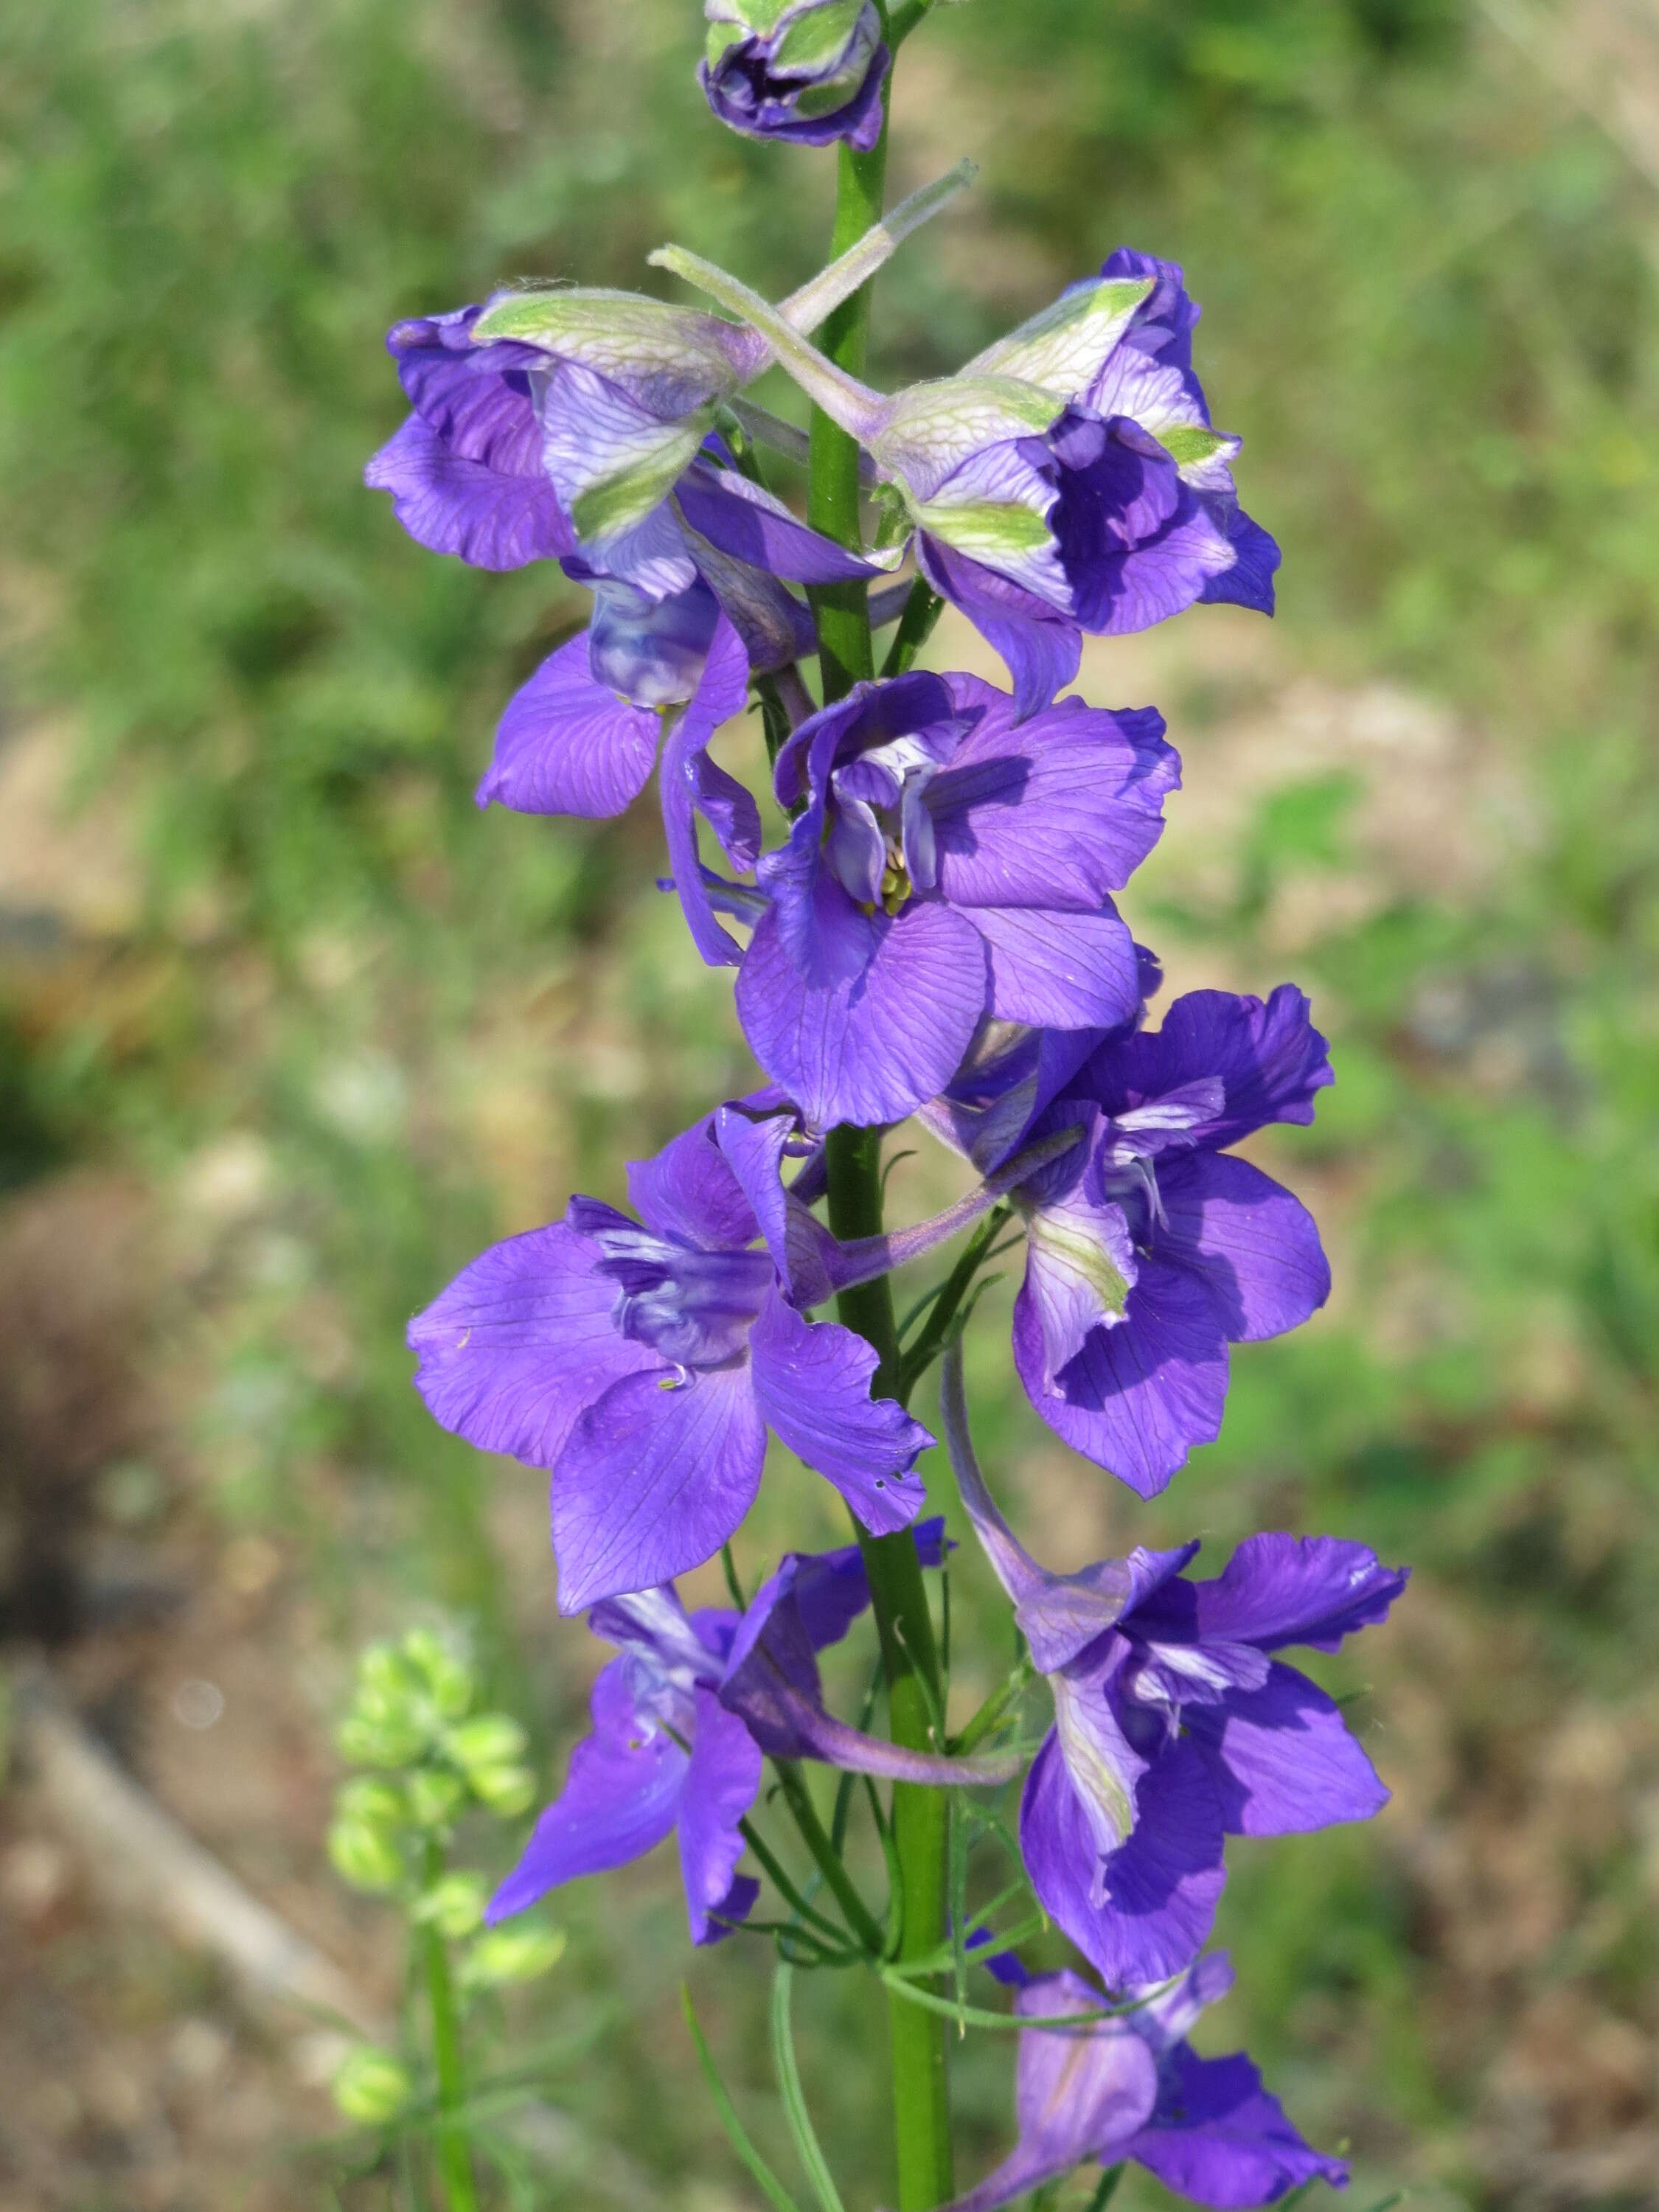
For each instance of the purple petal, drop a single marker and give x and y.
(1061, 971)
(1278, 1589)
(1219, 2137)
(752, 526)
(1163, 325)
(655, 1478)
(453, 505)
(520, 1343)
(621, 1798)
(1012, 1072)
(1282, 1759)
(721, 1783)
(1041, 646)
(647, 651)
(1081, 1266)
(476, 398)
(1161, 1886)
(1053, 811)
(874, 1046)
(688, 1191)
(566, 745)
(1269, 1056)
(755, 1145)
(1255, 1246)
(1249, 581)
(1060, 1615)
(1138, 1397)
(811, 1382)
(684, 786)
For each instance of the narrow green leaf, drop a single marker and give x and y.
(1107, 2189)
(794, 2097)
(737, 2135)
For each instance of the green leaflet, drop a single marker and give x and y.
(1190, 443)
(794, 2097)
(616, 503)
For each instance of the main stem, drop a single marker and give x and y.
(454, 2161)
(921, 2108)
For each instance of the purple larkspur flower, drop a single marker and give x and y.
(806, 71)
(1150, 1249)
(948, 862)
(1067, 480)
(643, 1362)
(683, 1717)
(1132, 2086)
(1174, 1725)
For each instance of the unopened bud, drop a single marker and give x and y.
(372, 1803)
(507, 1790)
(510, 1955)
(446, 1678)
(372, 2087)
(809, 70)
(454, 1905)
(491, 1740)
(435, 1796)
(364, 1856)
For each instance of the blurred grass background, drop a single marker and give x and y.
(288, 1029)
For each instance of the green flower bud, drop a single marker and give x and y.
(372, 2087)
(364, 1856)
(507, 1790)
(518, 1954)
(371, 1803)
(435, 1796)
(368, 1741)
(491, 1740)
(454, 1905)
(446, 1678)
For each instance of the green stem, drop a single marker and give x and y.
(932, 1341)
(1007, 1694)
(796, 1795)
(921, 1821)
(455, 2165)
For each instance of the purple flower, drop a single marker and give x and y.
(1132, 2087)
(1150, 1248)
(810, 71)
(682, 1719)
(1173, 1725)
(643, 1364)
(948, 862)
(1066, 480)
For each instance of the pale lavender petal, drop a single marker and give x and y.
(1282, 1758)
(1061, 971)
(453, 505)
(520, 1343)
(648, 651)
(477, 398)
(720, 695)
(567, 746)
(1256, 1247)
(1218, 2136)
(874, 1046)
(1138, 1397)
(811, 1382)
(1080, 1267)
(621, 1798)
(721, 1783)
(688, 1191)
(655, 1478)
(1041, 646)
(1054, 812)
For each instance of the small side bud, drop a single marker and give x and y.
(373, 1804)
(491, 1740)
(507, 1790)
(454, 1905)
(511, 1954)
(447, 1678)
(372, 2087)
(364, 1856)
(435, 1796)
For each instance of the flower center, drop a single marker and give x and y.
(696, 1308)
